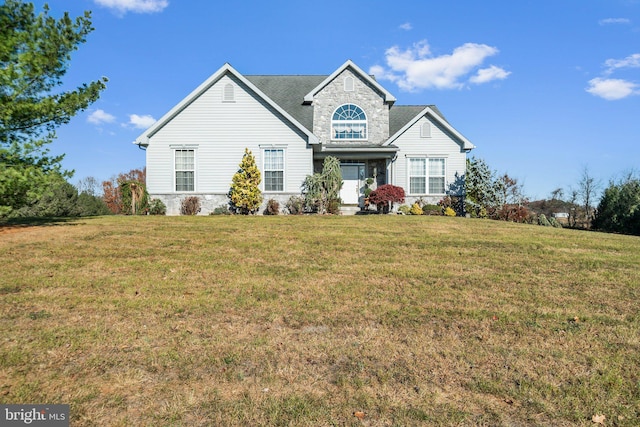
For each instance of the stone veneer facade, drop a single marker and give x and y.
(364, 96)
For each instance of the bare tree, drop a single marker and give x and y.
(588, 186)
(573, 212)
(89, 185)
(557, 194)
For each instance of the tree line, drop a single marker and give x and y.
(489, 194)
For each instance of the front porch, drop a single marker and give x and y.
(363, 169)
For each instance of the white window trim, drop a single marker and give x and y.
(264, 148)
(365, 122)
(175, 148)
(427, 176)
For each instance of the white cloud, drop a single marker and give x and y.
(416, 68)
(609, 21)
(137, 6)
(488, 74)
(406, 26)
(631, 61)
(612, 89)
(99, 117)
(141, 122)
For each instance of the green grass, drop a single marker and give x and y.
(303, 320)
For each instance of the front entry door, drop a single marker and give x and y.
(353, 183)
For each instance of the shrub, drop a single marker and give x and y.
(245, 194)
(385, 196)
(190, 206)
(542, 220)
(333, 207)
(295, 205)
(404, 209)
(273, 207)
(554, 223)
(454, 202)
(449, 211)
(416, 209)
(515, 213)
(156, 207)
(323, 189)
(60, 199)
(431, 210)
(90, 205)
(221, 210)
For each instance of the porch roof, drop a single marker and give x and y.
(361, 152)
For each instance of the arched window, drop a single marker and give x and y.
(349, 122)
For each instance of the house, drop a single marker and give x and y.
(291, 123)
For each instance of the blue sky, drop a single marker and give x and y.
(543, 88)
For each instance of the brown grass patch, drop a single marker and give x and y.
(306, 320)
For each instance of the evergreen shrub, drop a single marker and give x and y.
(157, 207)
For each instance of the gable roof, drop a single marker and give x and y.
(288, 91)
(143, 139)
(388, 98)
(398, 118)
(291, 96)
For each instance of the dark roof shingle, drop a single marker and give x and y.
(289, 91)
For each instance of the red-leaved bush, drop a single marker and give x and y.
(385, 196)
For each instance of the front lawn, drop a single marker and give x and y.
(304, 320)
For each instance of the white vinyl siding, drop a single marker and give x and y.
(442, 155)
(220, 131)
(273, 169)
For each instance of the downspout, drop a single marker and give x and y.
(392, 163)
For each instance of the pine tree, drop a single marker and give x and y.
(245, 194)
(35, 51)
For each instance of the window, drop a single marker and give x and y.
(348, 84)
(273, 170)
(417, 176)
(349, 122)
(436, 176)
(422, 178)
(228, 94)
(425, 130)
(185, 170)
